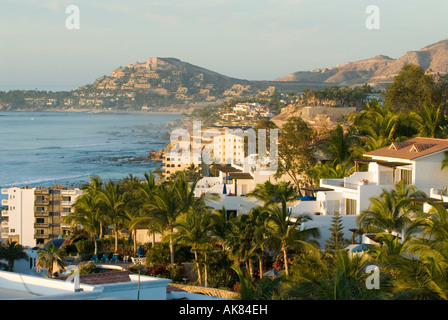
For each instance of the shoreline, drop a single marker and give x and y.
(99, 111)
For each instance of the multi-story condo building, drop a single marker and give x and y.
(224, 147)
(35, 215)
(229, 148)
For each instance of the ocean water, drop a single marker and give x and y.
(45, 148)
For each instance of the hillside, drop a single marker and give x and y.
(172, 77)
(169, 84)
(377, 71)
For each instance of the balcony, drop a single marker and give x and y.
(339, 183)
(4, 235)
(42, 213)
(4, 213)
(68, 192)
(5, 224)
(67, 203)
(5, 191)
(4, 202)
(41, 236)
(41, 202)
(41, 225)
(41, 191)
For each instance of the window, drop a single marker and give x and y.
(12, 230)
(40, 220)
(350, 207)
(333, 206)
(406, 176)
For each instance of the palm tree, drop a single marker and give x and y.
(144, 192)
(375, 121)
(338, 145)
(391, 212)
(431, 241)
(287, 232)
(221, 226)
(93, 189)
(444, 161)
(240, 242)
(170, 201)
(274, 193)
(258, 218)
(111, 206)
(281, 227)
(328, 171)
(86, 214)
(265, 289)
(428, 121)
(51, 257)
(11, 253)
(343, 278)
(194, 230)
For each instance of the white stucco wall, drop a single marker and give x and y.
(151, 288)
(427, 173)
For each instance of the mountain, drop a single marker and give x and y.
(377, 71)
(171, 77)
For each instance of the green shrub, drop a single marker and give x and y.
(176, 272)
(88, 268)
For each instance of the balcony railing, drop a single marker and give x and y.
(4, 213)
(4, 202)
(340, 183)
(41, 202)
(5, 224)
(41, 213)
(41, 236)
(41, 225)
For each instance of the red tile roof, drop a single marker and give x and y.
(104, 277)
(411, 149)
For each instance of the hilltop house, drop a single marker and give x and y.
(416, 161)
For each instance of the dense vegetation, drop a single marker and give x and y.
(236, 252)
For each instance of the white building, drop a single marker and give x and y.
(35, 215)
(229, 148)
(20, 215)
(416, 161)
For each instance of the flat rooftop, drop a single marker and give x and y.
(14, 294)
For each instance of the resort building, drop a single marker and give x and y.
(416, 161)
(228, 148)
(35, 215)
(224, 147)
(232, 182)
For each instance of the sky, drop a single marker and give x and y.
(246, 39)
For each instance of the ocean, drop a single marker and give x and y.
(47, 148)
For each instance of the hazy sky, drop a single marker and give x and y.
(247, 39)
